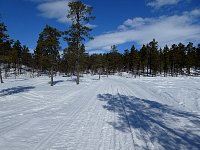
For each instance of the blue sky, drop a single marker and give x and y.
(119, 22)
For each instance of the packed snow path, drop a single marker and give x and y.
(114, 113)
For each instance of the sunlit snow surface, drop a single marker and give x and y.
(108, 114)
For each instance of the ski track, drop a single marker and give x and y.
(20, 110)
(145, 135)
(92, 116)
(126, 90)
(77, 108)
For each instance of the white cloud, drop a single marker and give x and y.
(165, 29)
(55, 10)
(91, 25)
(135, 22)
(97, 52)
(160, 3)
(195, 12)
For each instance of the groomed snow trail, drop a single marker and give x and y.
(113, 113)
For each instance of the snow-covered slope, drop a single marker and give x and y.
(108, 114)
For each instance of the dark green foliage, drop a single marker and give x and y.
(12, 54)
(134, 60)
(47, 50)
(197, 58)
(114, 61)
(16, 55)
(26, 58)
(3, 42)
(150, 60)
(3, 35)
(126, 60)
(3, 47)
(165, 60)
(80, 14)
(144, 58)
(153, 57)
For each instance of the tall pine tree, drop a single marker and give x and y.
(80, 14)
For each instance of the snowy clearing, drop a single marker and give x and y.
(114, 113)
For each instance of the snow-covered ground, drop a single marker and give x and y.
(114, 113)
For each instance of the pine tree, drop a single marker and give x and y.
(172, 59)
(153, 57)
(80, 14)
(180, 58)
(16, 57)
(189, 57)
(126, 60)
(166, 60)
(135, 61)
(82, 59)
(144, 58)
(25, 55)
(69, 60)
(198, 57)
(47, 51)
(106, 63)
(96, 65)
(160, 60)
(115, 59)
(3, 41)
(7, 55)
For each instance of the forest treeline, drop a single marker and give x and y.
(150, 60)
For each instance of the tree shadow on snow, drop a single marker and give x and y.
(15, 90)
(161, 124)
(71, 80)
(56, 82)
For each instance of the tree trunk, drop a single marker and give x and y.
(99, 75)
(51, 76)
(78, 65)
(6, 71)
(78, 77)
(1, 76)
(15, 74)
(143, 68)
(188, 71)
(150, 64)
